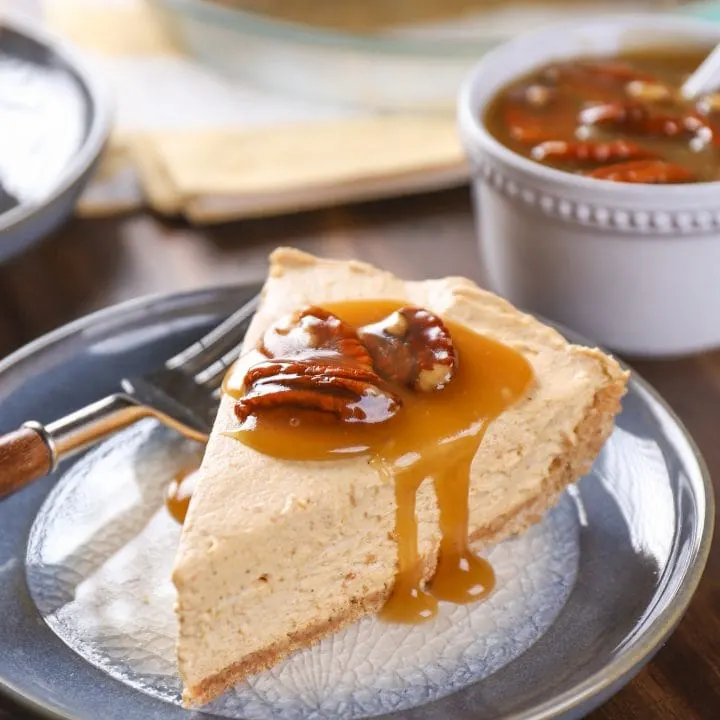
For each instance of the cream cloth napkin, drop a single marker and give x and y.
(188, 141)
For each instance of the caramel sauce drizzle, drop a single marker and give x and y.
(436, 435)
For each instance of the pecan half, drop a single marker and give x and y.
(317, 332)
(651, 172)
(316, 362)
(625, 115)
(412, 347)
(636, 118)
(350, 393)
(527, 125)
(589, 151)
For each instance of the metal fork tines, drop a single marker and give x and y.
(224, 341)
(183, 394)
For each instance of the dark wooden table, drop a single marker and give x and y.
(92, 264)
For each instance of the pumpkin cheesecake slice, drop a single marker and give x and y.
(376, 434)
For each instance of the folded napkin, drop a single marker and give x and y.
(188, 141)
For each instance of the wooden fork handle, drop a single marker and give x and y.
(24, 457)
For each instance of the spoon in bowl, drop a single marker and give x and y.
(705, 78)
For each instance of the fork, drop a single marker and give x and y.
(184, 395)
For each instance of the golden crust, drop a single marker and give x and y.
(256, 662)
(565, 469)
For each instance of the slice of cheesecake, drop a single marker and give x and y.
(276, 554)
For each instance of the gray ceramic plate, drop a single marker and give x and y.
(55, 116)
(584, 601)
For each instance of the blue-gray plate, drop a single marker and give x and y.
(55, 116)
(584, 599)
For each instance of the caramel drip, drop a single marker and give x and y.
(180, 492)
(461, 576)
(436, 435)
(409, 602)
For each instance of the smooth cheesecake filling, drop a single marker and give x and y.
(413, 393)
(276, 554)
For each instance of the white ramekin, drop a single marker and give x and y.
(634, 267)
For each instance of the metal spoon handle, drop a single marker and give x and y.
(705, 78)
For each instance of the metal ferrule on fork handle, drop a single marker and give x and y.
(35, 449)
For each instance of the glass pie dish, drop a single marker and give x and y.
(379, 54)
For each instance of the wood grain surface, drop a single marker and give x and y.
(24, 456)
(91, 264)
